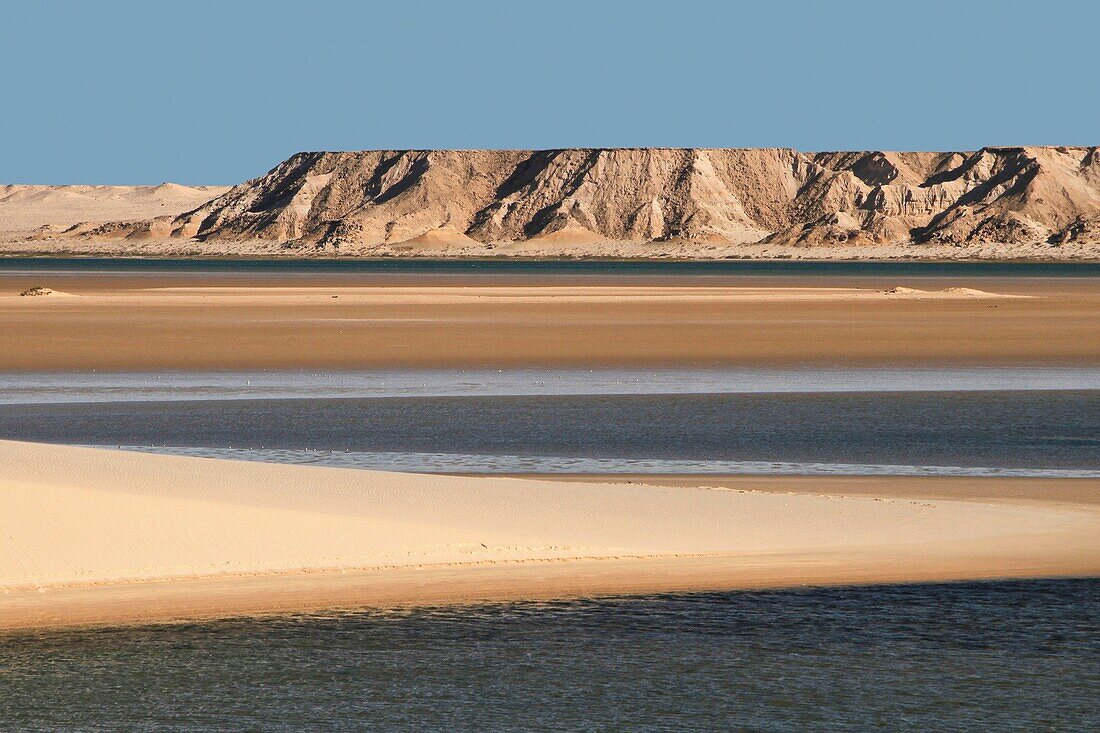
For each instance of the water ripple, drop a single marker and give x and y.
(412, 462)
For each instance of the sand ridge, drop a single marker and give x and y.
(443, 295)
(79, 521)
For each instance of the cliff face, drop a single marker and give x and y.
(372, 199)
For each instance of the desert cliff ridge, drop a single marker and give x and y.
(410, 201)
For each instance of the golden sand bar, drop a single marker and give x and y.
(97, 536)
(135, 323)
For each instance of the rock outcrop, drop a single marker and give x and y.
(364, 201)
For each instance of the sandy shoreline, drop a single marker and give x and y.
(1012, 490)
(110, 537)
(135, 323)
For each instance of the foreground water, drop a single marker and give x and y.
(1017, 656)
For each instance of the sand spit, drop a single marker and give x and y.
(104, 536)
(530, 295)
(996, 202)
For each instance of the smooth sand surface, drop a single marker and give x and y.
(134, 323)
(95, 536)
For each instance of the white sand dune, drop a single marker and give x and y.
(92, 535)
(24, 208)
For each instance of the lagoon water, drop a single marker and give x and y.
(1015, 656)
(993, 432)
(1010, 656)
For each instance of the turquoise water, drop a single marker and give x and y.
(1018, 656)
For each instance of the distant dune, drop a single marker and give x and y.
(42, 211)
(996, 202)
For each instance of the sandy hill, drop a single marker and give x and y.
(532, 201)
(36, 210)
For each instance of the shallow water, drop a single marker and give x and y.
(32, 388)
(1018, 656)
(458, 463)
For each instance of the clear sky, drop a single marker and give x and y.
(217, 92)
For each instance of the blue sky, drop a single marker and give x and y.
(217, 92)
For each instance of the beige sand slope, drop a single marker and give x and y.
(41, 211)
(91, 535)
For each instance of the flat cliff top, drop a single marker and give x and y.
(694, 202)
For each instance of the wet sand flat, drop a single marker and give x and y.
(134, 323)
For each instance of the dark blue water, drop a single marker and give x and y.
(1057, 429)
(504, 266)
(1017, 656)
(1013, 656)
